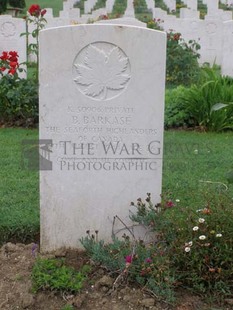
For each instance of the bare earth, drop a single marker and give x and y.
(16, 262)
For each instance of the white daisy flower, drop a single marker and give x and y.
(195, 228)
(202, 237)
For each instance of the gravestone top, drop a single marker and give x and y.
(130, 21)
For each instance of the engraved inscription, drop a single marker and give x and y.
(101, 71)
(8, 29)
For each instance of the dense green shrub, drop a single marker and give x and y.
(208, 104)
(175, 115)
(182, 60)
(18, 99)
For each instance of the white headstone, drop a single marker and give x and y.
(171, 4)
(188, 13)
(212, 7)
(192, 4)
(129, 12)
(227, 64)
(101, 107)
(11, 39)
(109, 5)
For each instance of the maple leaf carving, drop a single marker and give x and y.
(102, 71)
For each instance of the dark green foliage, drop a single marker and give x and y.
(18, 99)
(99, 4)
(52, 274)
(17, 3)
(14, 3)
(3, 4)
(160, 4)
(210, 102)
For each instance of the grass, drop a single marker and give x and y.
(119, 7)
(19, 188)
(100, 4)
(141, 11)
(189, 157)
(192, 157)
(56, 5)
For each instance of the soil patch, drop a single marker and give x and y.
(16, 262)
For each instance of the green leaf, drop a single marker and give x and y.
(219, 106)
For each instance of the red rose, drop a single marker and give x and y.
(12, 71)
(13, 56)
(13, 64)
(43, 12)
(34, 10)
(4, 56)
(2, 69)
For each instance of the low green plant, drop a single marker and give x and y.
(146, 264)
(202, 250)
(190, 247)
(209, 103)
(53, 274)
